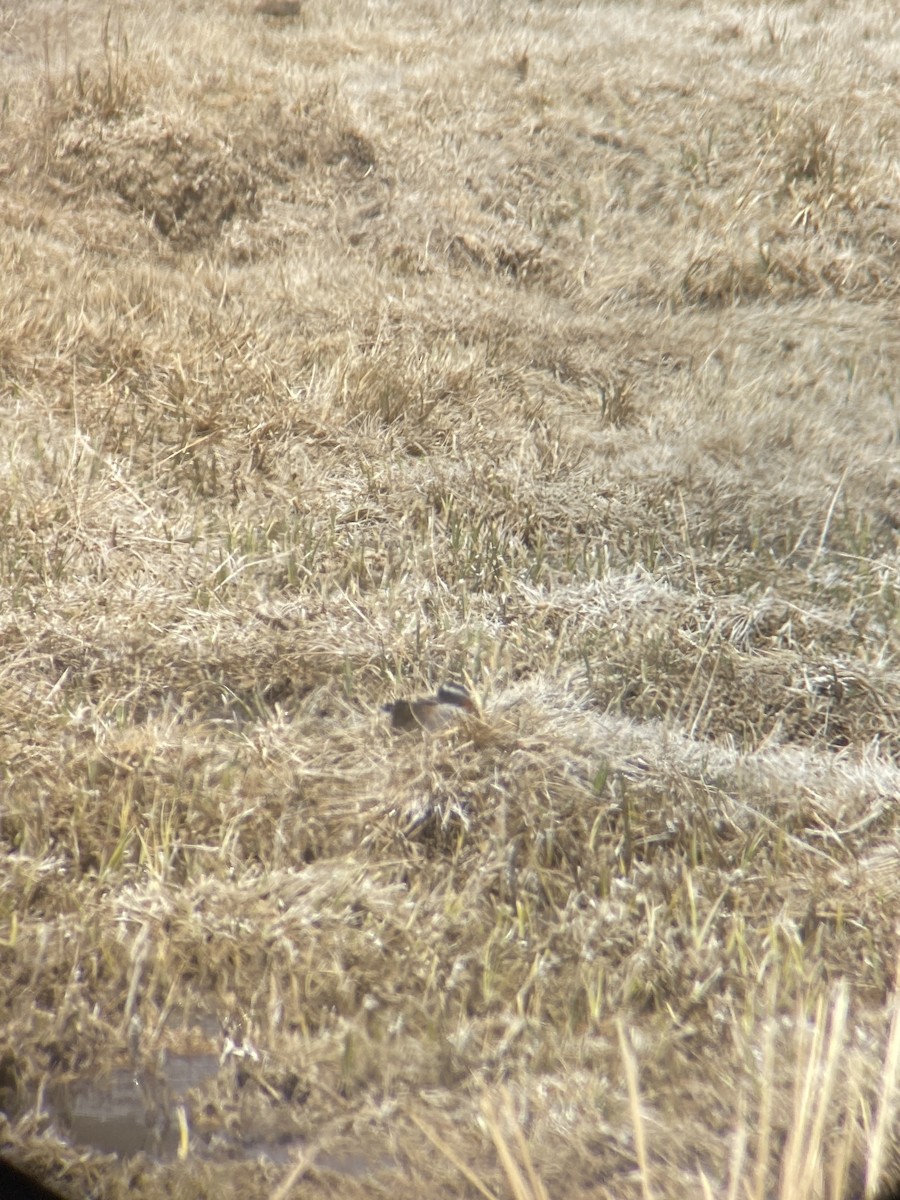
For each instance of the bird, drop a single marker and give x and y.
(431, 712)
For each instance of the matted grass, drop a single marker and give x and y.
(349, 348)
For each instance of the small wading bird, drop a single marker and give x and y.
(431, 712)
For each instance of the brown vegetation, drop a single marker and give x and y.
(350, 348)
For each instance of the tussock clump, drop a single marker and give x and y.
(519, 260)
(186, 183)
(313, 134)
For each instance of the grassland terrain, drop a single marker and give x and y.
(547, 347)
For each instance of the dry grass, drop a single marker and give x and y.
(348, 348)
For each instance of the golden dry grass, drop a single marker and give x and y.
(346, 348)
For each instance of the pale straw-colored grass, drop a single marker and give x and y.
(548, 349)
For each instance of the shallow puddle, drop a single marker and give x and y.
(127, 1112)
